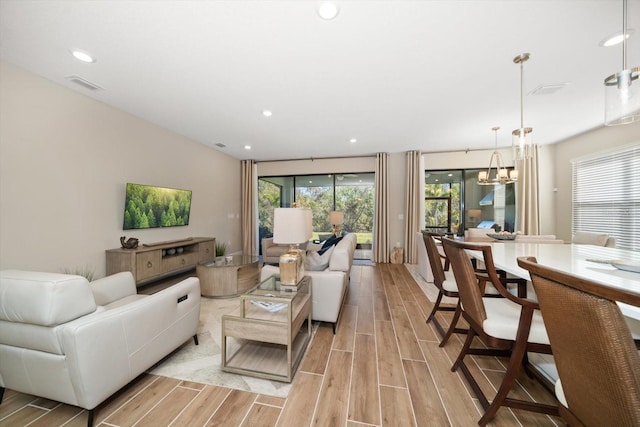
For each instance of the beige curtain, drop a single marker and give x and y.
(412, 206)
(249, 207)
(381, 218)
(527, 195)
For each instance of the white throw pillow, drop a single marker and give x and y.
(316, 262)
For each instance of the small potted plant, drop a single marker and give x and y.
(221, 249)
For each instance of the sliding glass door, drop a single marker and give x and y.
(350, 193)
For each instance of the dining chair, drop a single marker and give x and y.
(540, 238)
(595, 355)
(508, 327)
(444, 280)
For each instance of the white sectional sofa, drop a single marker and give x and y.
(328, 286)
(65, 339)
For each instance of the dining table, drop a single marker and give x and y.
(611, 267)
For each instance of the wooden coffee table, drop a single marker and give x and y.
(269, 339)
(228, 276)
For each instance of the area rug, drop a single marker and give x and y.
(201, 363)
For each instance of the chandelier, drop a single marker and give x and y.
(622, 100)
(522, 136)
(501, 174)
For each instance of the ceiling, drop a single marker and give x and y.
(395, 75)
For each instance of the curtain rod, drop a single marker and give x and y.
(315, 158)
(465, 150)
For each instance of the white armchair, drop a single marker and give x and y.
(64, 339)
(597, 239)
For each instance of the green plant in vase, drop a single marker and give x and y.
(221, 249)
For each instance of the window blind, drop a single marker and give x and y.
(606, 196)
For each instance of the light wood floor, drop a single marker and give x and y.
(382, 368)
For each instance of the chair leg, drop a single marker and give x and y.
(195, 339)
(1, 393)
(436, 305)
(452, 326)
(467, 343)
(507, 382)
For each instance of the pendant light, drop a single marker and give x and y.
(501, 175)
(622, 97)
(522, 136)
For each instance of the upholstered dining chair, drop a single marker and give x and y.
(445, 282)
(539, 238)
(597, 360)
(508, 326)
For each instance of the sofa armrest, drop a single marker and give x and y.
(113, 287)
(106, 350)
(327, 291)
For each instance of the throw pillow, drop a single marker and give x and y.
(315, 261)
(330, 242)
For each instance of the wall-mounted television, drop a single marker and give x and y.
(147, 206)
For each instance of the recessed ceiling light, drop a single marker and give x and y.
(353, 140)
(327, 10)
(82, 56)
(267, 113)
(247, 147)
(615, 38)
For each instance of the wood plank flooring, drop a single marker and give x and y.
(382, 368)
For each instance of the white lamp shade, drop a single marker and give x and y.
(291, 225)
(336, 217)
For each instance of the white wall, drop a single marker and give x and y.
(598, 140)
(64, 162)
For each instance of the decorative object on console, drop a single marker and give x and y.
(502, 175)
(292, 226)
(336, 218)
(131, 243)
(146, 206)
(622, 98)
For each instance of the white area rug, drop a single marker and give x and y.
(201, 363)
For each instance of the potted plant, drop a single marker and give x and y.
(221, 249)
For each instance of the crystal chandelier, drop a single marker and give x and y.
(622, 99)
(522, 136)
(501, 174)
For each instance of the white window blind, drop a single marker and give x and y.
(606, 196)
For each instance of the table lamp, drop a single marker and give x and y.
(336, 218)
(291, 226)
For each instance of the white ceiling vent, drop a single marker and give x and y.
(547, 89)
(221, 145)
(84, 83)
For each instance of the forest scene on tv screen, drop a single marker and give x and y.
(149, 207)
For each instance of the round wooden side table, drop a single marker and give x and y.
(228, 276)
